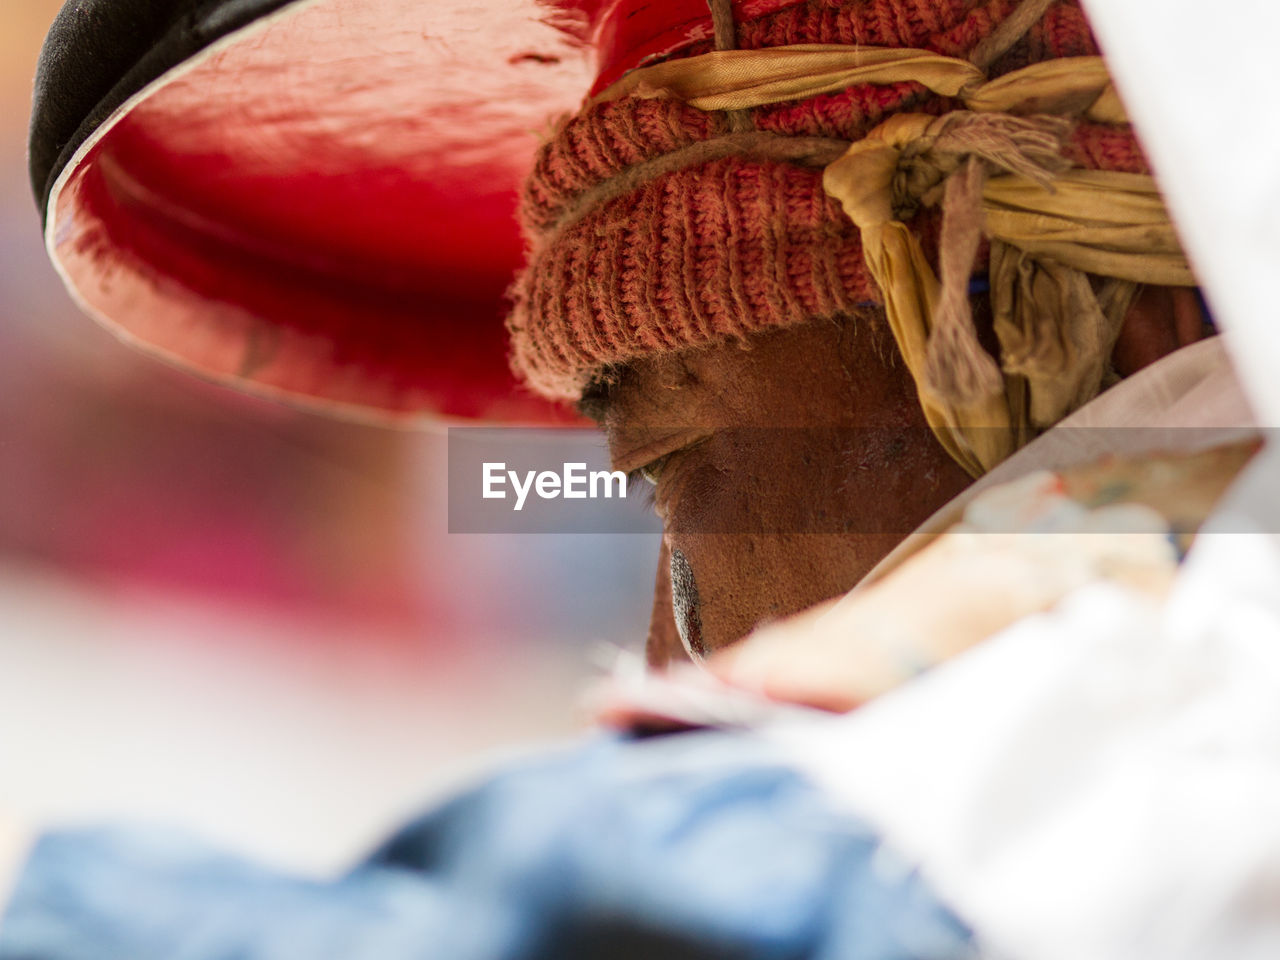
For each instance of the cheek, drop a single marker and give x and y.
(728, 584)
(767, 523)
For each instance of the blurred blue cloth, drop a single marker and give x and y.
(692, 846)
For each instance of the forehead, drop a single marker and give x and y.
(823, 372)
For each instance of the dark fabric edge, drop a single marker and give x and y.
(187, 29)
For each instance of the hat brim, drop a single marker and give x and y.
(312, 199)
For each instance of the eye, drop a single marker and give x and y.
(652, 470)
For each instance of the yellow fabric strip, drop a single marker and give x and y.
(894, 256)
(1101, 222)
(862, 180)
(1069, 87)
(740, 79)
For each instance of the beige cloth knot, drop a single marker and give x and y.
(912, 160)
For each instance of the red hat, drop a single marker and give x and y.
(316, 199)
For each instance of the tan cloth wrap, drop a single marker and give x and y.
(1049, 227)
(740, 79)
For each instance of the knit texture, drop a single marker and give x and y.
(723, 246)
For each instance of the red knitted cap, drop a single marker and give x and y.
(624, 262)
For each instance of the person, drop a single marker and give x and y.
(752, 259)
(696, 283)
(679, 245)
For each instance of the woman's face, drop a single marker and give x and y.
(783, 470)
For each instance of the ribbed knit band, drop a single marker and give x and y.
(723, 247)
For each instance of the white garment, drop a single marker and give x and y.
(1186, 401)
(1103, 780)
(1191, 75)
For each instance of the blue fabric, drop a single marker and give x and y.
(693, 846)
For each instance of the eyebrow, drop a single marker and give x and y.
(598, 398)
(596, 401)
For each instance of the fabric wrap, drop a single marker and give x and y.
(686, 847)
